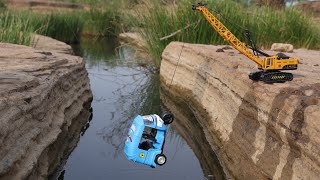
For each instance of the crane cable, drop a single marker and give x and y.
(218, 13)
(237, 27)
(240, 29)
(174, 72)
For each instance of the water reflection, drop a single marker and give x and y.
(134, 94)
(188, 127)
(122, 88)
(87, 125)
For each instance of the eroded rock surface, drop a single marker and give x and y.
(258, 130)
(51, 45)
(187, 126)
(44, 101)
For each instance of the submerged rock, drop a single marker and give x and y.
(45, 98)
(258, 130)
(136, 41)
(133, 39)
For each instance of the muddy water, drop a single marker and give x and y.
(123, 87)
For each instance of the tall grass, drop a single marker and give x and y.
(267, 25)
(66, 27)
(102, 23)
(289, 26)
(110, 19)
(15, 28)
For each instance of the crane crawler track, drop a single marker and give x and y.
(270, 65)
(271, 76)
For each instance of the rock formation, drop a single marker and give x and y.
(187, 126)
(258, 130)
(135, 41)
(45, 99)
(282, 47)
(49, 44)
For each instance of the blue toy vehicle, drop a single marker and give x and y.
(146, 137)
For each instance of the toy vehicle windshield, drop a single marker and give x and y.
(148, 120)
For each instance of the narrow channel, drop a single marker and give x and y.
(124, 86)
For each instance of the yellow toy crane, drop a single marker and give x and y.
(270, 67)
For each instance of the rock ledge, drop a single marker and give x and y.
(45, 100)
(258, 130)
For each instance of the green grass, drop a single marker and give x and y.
(267, 26)
(109, 21)
(15, 28)
(102, 23)
(289, 26)
(156, 21)
(65, 27)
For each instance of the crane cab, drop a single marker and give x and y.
(279, 63)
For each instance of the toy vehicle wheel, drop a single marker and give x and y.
(160, 159)
(167, 117)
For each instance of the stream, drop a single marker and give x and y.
(124, 86)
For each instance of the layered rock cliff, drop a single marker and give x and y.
(45, 99)
(191, 131)
(258, 130)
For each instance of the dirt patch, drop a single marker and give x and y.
(45, 5)
(312, 7)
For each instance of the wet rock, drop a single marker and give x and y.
(282, 47)
(135, 41)
(259, 131)
(45, 100)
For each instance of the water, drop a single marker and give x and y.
(122, 88)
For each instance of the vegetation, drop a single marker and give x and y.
(267, 25)
(102, 23)
(17, 26)
(157, 20)
(14, 28)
